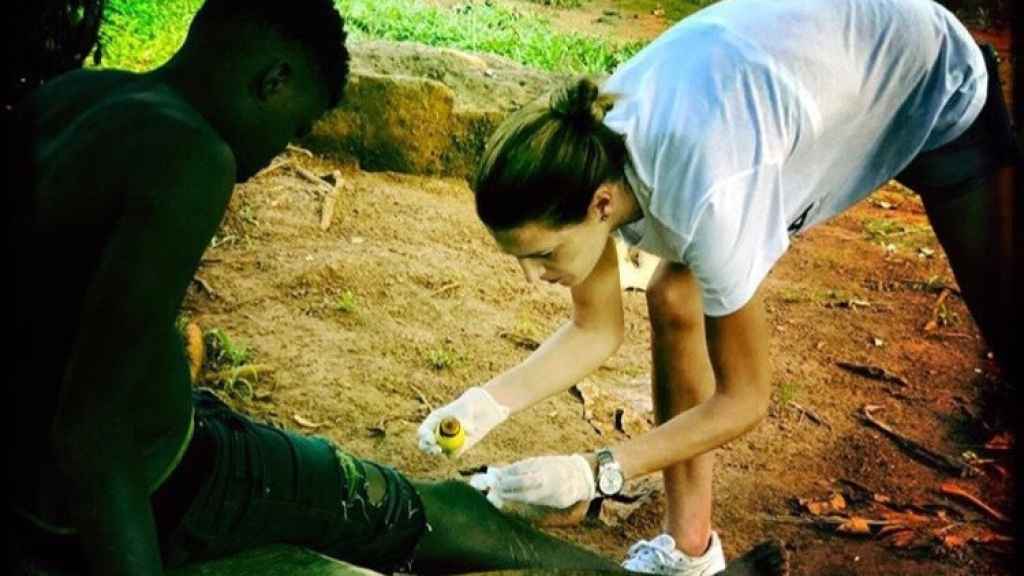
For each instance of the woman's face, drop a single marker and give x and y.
(560, 255)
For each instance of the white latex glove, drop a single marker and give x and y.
(555, 481)
(477, 411)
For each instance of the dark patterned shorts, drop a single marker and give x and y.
(258, 485)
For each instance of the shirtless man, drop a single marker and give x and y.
(116, 459)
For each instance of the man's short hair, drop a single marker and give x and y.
(314, 23)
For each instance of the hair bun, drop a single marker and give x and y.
(581, 103)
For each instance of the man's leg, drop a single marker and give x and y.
(466, 533)
(264, 486)
(681, 378)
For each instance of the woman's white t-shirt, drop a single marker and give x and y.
(752, 120)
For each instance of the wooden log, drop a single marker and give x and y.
(276, 560)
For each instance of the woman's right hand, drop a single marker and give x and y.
(478, 413)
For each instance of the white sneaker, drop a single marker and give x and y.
(660, 556)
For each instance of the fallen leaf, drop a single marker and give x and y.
(854, 525)
(953, 541)
(838, 502)
(1001, 441)
(901, 538)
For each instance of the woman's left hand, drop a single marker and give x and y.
(555, 481)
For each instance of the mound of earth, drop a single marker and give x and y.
(423, 110)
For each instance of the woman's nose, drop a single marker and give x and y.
(531, 270)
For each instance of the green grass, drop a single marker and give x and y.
(142, 34)
(883, 231)
(222, 351)
(788, 392)
(479, 27)
(441, 358)
(346, 303)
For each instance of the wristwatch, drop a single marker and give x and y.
(609, 473)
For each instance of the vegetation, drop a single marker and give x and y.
(483, 27)
(139, 35)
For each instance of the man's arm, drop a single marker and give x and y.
(172, 185)
(574, 350)
(738, 346)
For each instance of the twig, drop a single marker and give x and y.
(929, 286)
(445, 288)
(204, 285)
(951, 489)
(299, 149)
(873, 372)
(811, 414)
(521, 341)
(312, 178)
(940, 461)
(273, 167)
(330, 199)
(422, 396)
(933, 322)
(957, 335)
(824, 520)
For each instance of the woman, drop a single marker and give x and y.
(739, 127)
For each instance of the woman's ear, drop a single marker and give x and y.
(603, 202)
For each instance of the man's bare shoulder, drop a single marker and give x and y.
(146, 136)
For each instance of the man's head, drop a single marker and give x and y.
(261, 71)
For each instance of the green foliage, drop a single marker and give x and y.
(788, 392)
(222, 351)
(441, 358)
(142, 34)
(346, 302)
(481, 27)
(899, 234)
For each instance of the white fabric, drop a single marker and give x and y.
(660, 556)
(554, 481)
(751, 120)
(477, 411)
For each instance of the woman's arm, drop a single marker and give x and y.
(574, 350)
(738, 347)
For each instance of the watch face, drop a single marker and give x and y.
(610, 481)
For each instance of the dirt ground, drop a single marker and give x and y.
(404, 302)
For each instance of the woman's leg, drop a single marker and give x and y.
(976, 228)
(681, 378)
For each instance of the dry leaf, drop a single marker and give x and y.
(838, 502)
(854, 525)
(1001, 441)
(901, 537)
